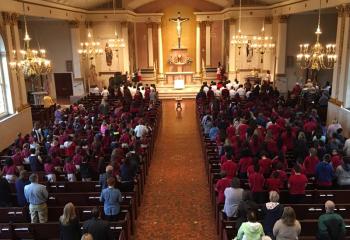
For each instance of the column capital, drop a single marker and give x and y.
(208, 23)
(268, 19)
(124, 23)
(149, 24)
(283, 19)
(74, 24)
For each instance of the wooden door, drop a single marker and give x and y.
(63, 83)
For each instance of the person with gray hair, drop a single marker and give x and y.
(331, 226)
(272, 211)
(36, 195)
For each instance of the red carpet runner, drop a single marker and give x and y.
(176, 201)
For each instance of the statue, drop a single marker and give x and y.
(179, 20)
(109, 55)
(92, 75)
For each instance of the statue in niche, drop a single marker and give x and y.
(249, 51)
(109, 55)
(92, 75)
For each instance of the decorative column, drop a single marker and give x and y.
(160, 52)
(339, 49)
(281, 46)
(267, 60)
(207, 43)
(344, 79)
(198, 49)
(125, 36)
(15, 95)
(75, 40)
(232, 51)
(150, 44)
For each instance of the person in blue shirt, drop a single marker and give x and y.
(213, 132)
(111, 198)
(324, 173)
(21, 182)
(36, 195)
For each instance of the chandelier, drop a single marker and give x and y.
(262, 43)
(90, 48)
(116, 43)
(239, 40)
(317, 56)
(31, 62)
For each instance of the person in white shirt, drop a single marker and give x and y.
(235, 84)
(232, 93)
(141, 130)
(105, 92)
(241, 91)
(206, 89)
(214, 88)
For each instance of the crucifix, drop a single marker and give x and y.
(178, 22)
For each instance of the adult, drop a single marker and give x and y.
(5, 192)
(331, 225)
(221, 185)
(140, 130)
(233, 196)
(251, 229)
(128, 171)
(297, 184)
(272, 211)
(36, 195)
(69, 223)
(98, 228)
(343, 172)
(288, 227)
(324, 172)
(111, 198)
(21, 182)
(104, 176)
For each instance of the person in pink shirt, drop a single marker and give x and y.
(26, 152)
(310, 162)
(18, 159)
(70, 169)
(243, 165)
(256, 183)
(265, 164)
(77, 158)
(103, 128)
(49, 169)
(336, 159)
(10, 170)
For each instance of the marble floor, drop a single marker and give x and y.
(176, 202)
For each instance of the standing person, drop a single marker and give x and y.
(324, 172)
(251, 229)
(221, 185)
(272, 211)
(36, 195)
(256, 183)
(98, 228)
(69, 223)
(233, 196)
(111, 198)
(21, 182)
(297, 184)
(288, 227)
(5, 192)
(244, 207)
(331, 225)
(343, 172)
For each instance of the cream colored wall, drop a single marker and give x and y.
(20, 122)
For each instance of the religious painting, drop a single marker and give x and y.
(109, 54)
(110, 60)
(249, 51)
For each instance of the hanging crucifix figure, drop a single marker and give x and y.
(178, 22)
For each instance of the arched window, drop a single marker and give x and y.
(5, 91)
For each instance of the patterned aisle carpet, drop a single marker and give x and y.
(176, 201)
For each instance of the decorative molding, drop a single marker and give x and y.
(336, 102)
(283, 19)
(268, 19)
(74, 24)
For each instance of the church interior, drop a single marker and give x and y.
(174, 119)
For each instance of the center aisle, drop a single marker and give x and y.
(176, 201)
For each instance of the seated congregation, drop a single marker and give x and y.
(272, 160)
(81, 176)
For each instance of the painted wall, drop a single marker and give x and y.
(20, 122)
(297, 35)
(141, 45)
(216, 42)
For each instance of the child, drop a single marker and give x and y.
(77, 158)
(70, 169)
(85, 171)
(34, 161)
(10, 171)
(50, 170)
(18, 159)
(274, 183)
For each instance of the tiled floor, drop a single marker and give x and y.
(176, 202)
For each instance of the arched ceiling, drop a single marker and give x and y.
(137, 4)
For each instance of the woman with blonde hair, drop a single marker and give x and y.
(288, 227)
(272, 211)
(69, 223)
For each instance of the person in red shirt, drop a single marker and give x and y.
(49, 169)
(70, 169)
(336, 159)
(265, 164)
(243, 165)
(310, 162)
(288, 138)
(274, 183)
(220, 187)
(297, 184)
(256, 184)
(229, 167)
(10, 171)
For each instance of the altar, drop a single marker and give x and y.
(179, 79)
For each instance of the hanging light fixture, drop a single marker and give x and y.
(90, 48)
(317, 56)
(116, 43)
(239, 40)
(32, 62)
(263, 43)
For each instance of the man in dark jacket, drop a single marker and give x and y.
(331, 225)
(98, 228)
